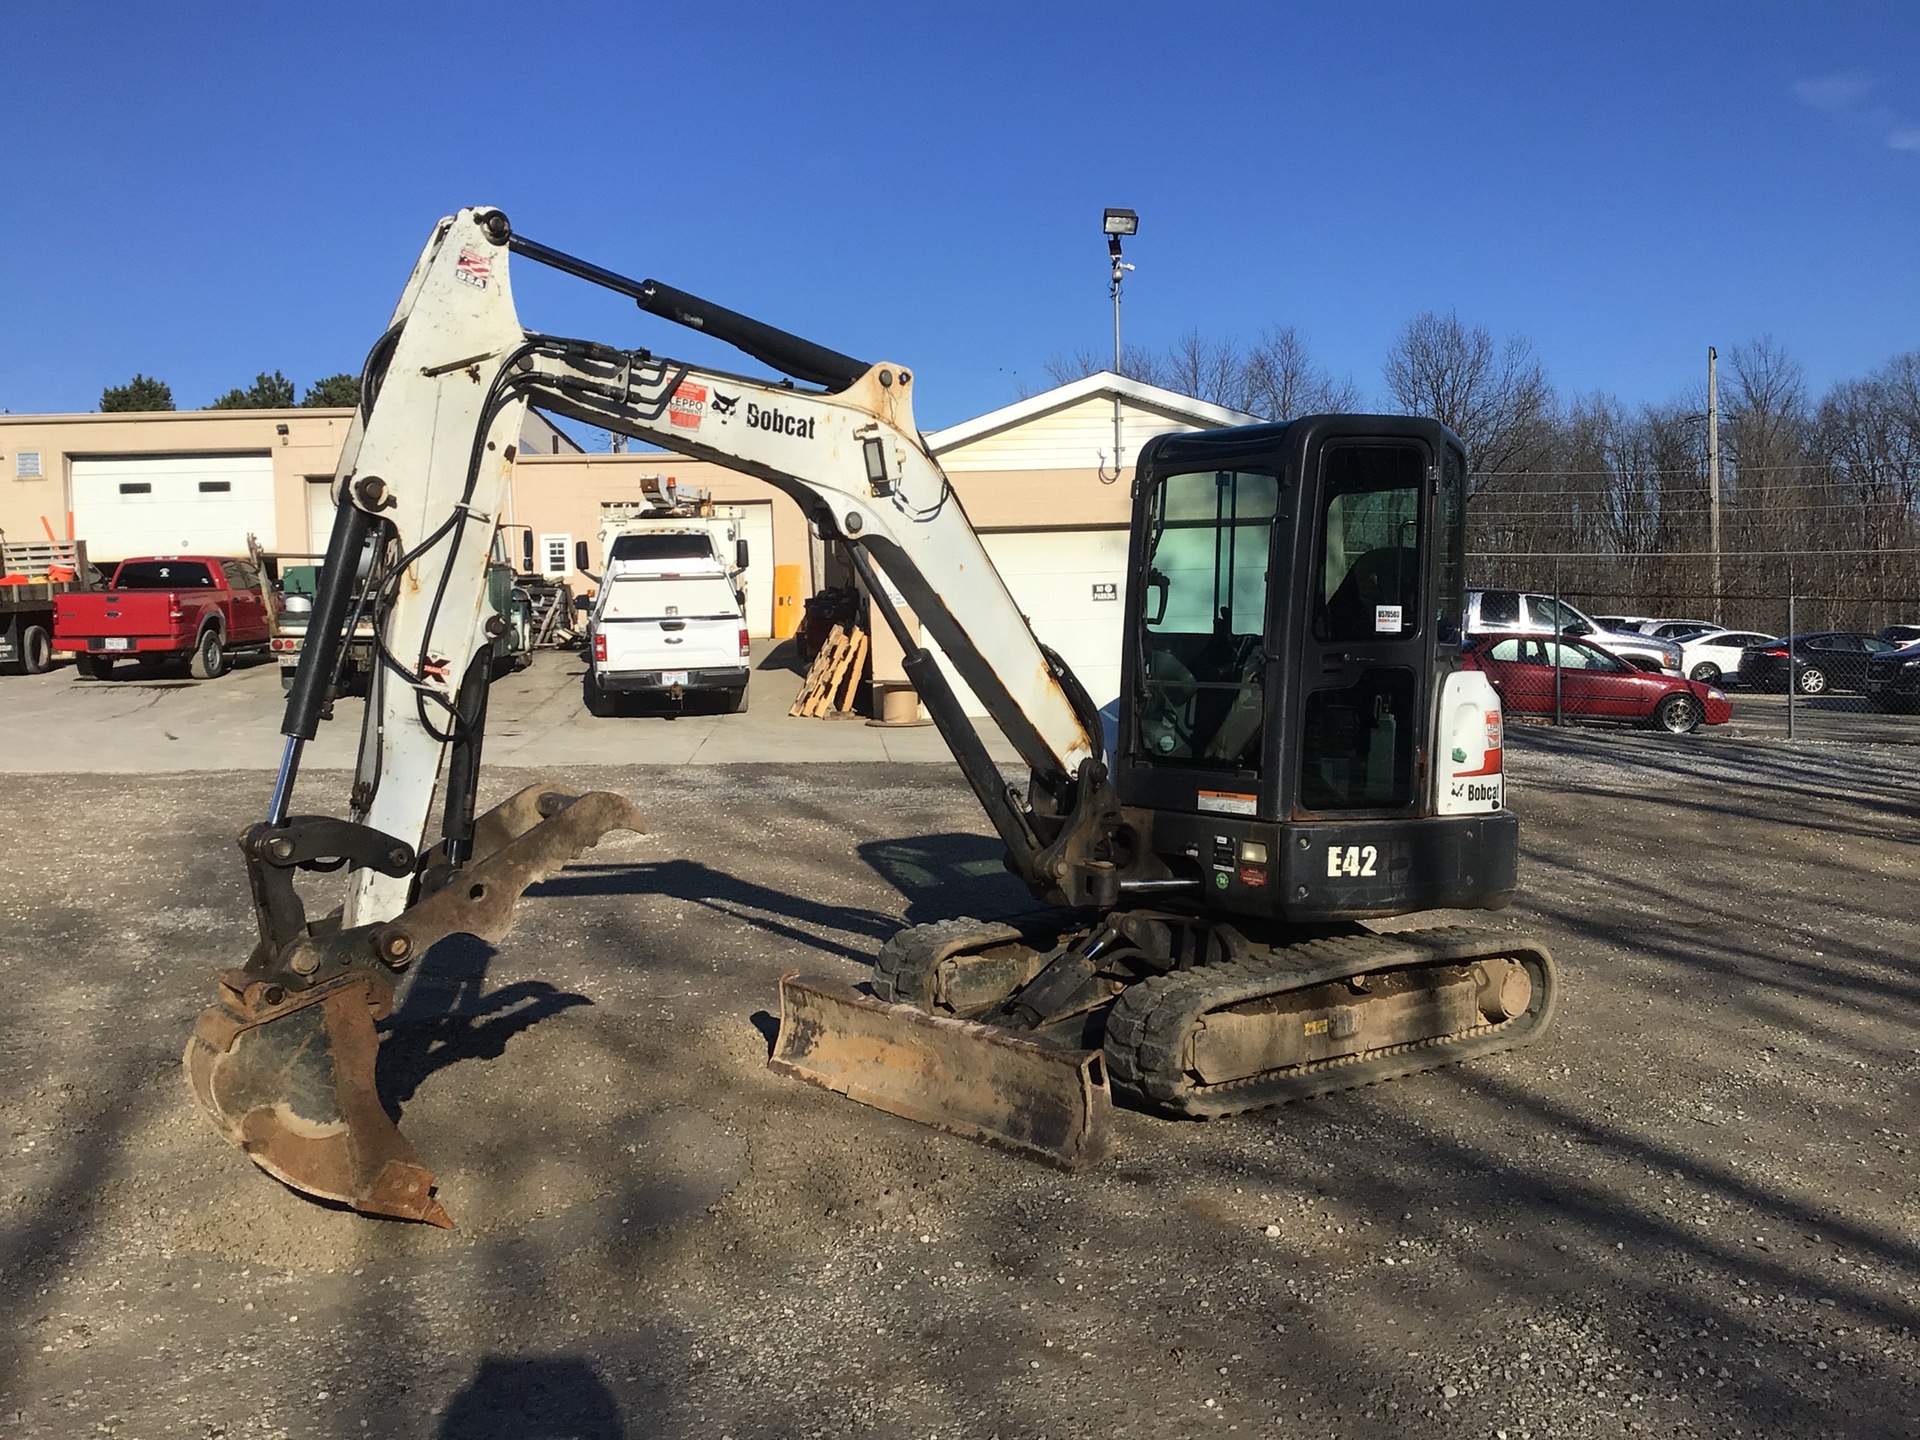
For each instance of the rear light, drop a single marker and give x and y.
(1776, 654)
(743, 642)
(175, 611)
(600, 647)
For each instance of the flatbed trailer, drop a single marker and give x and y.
(31, 575)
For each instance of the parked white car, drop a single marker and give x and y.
(668, 633)
(1714, 658)
(1676, 629)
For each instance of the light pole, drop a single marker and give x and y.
(1115, 223)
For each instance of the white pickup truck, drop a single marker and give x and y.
(667, 626)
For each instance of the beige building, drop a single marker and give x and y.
(1037, 478)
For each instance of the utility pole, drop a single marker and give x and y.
(1713, 471)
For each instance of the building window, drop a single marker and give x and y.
(553, 550)
(26, 465)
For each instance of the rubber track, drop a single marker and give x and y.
(901, 968)
(1150, 1025)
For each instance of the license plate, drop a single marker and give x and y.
(117, 643)
(673, 677)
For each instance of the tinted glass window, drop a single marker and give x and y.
(1584, 657)
(164, 575)
(1370, 543)
(1357, 749)
(1204, 617)
(1499, 607)
(661, 547)
(1449, 556)
(1878, 647)
(1551, 613)
(1505, 650)
(1357, 741)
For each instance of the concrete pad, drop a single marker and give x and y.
(139, 723)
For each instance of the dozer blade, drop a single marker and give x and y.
(974, 1080)
(293, 1085)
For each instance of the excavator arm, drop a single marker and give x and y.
(284, 1063)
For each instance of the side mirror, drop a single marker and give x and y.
(1577, 629)
(526, 551)
(1644, 662)
(740, 554)
(579, 553)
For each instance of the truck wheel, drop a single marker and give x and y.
(36, 650)
(209, 660)
(94, 667)
(737, 701)
(598, 702)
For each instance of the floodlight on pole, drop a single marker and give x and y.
(1113, 224)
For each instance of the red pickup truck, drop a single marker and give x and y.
(197, 608)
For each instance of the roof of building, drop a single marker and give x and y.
(1182, 409)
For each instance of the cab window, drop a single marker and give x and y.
(1204, 617)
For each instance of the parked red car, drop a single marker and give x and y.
(196, 608)
(1593, 684)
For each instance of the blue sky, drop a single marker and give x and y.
(202, 192)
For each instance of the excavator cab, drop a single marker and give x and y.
(1295, 615)
(1299, 750)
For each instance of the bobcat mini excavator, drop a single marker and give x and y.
(1299, 750)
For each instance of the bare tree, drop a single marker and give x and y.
(1496, 398)
(1281, 380)
(1136, 363)
(1210, 370)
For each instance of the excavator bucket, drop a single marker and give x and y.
(289, 1075)
(987, 1084)
(293, 1086)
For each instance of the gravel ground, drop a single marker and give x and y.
(1690, 1211)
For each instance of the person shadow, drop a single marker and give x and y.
(557, 1397)
(447, 1015)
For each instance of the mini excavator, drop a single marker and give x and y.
(1299, 750)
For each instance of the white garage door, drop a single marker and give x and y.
(1071, 584)
(173, 504)
(756, 528)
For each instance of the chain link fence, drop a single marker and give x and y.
(1847, 610)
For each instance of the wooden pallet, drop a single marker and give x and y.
(835, 676)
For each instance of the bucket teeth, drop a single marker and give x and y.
(293, 1086)
(289, 1074)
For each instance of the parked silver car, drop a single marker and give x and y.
(1517, 612)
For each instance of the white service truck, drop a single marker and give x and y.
(670, 617)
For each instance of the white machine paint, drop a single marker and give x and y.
(173, 504)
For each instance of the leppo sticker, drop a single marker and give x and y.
(688, 405)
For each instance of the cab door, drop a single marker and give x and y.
(1366, 644)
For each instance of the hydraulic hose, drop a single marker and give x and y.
(326, 626)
